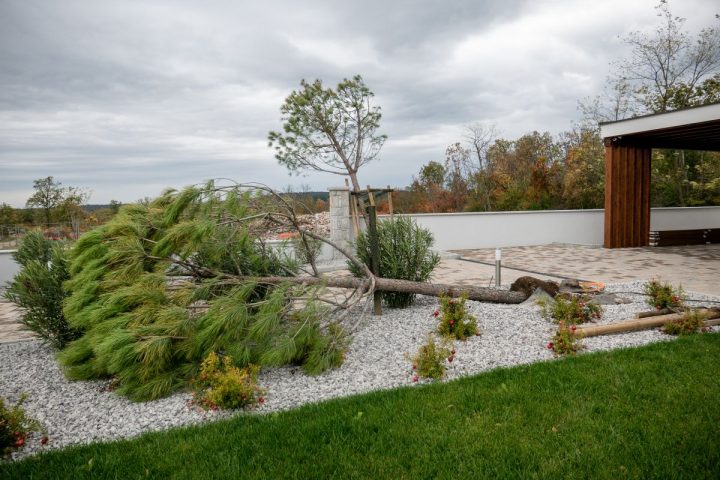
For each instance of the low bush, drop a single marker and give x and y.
(566, 341)
(38, 289)
(455, 320)
(306, 249)
(429, 361)
(573, 310)
(404, 254)
(663, 295)
(692, 322)
(221, 384)
(15, 426)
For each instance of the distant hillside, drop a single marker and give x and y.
(93, 207)
(324, 196)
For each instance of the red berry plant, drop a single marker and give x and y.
(15, 426)
(431, 359)
(691, 322)
(663, 295)
(566, 341)
(221, 384)
(455, 320)
(575, 309)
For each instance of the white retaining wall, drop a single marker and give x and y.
(455, 231)
(8, 267)
(684, 218)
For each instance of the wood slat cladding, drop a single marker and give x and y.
(627, 196)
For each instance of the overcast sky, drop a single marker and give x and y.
(125, 98)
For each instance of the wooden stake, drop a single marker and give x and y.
(653, 313)
(374, 249)
(390, 205)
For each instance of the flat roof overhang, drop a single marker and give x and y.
(696, 128)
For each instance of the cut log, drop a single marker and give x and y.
(713, 318)
(480, 294)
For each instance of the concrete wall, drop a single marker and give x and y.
(454, 231)
(8, 267)
(678, 218)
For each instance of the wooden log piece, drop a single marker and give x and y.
(643, 324)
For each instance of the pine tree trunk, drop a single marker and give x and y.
(480, 294)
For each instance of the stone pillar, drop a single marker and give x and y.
(341, 231)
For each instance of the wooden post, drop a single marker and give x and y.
(374, 248)
(627, 195)
(390, 206)
(643, 323)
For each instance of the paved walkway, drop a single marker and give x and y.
(697, 268)
(10, 329)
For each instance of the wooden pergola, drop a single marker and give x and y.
(628, 147)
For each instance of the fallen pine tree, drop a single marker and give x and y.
(259, 305)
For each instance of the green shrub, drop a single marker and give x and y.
(15, 425)
(404, 254)
(663, 295)
(691, 322)
(221, 384)
(307, 249)
(571, 311)
(566, 341)
(38, 289)
(455, 320)
(429, 361)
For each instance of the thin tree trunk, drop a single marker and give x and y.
(480, 294)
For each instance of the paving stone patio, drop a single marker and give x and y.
(696, 267)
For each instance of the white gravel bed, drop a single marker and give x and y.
(82, 412)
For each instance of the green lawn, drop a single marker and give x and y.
(652, 412)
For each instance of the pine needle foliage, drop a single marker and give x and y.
(404, 254)
(145, 330)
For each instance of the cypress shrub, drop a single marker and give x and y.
(405, 254)
(38, 289)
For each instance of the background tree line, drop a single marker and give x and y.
(55, 205)
(667, 69)
(534, 172)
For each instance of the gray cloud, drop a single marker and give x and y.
(125, 98)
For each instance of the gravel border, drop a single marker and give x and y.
(82, 412)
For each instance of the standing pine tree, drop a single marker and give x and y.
(329, 130)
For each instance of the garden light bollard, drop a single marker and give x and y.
(498, 261)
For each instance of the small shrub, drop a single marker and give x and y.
(663, 295)
(404, 254)
(455, 320)
(429, 361)
(221, 384)
(692, 322)
(575, 310)
(566, 341)
(306, 250)
(15, 426)
(38, 289)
